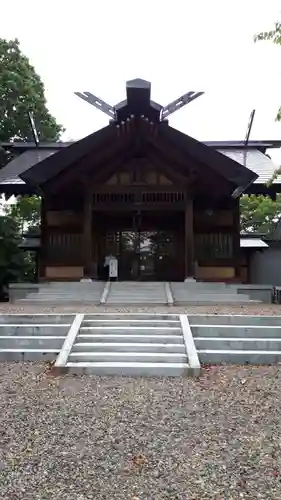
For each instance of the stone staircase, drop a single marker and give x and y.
(65, 293)
(199, 293)
(137, 292)
(126, 293)
(133, 344)
(37, 337)
(139, 344)
(228, 339)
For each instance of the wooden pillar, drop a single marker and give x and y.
(43, 251)
(189, 239)
(236, 238)
(87, 239)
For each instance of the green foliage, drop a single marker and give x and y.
(274, 36)
(259, 213)
(26, 212)
(21, 90)
(20, 217)
(11, 258)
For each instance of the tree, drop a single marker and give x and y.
(12, 266)
(274, 36)
(259, 213)
(26, 212)
(21, 91)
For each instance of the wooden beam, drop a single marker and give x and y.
(87, 238)
(97, 160)
(199, 173)
(172, 173)
(128, 207)
(189, 239)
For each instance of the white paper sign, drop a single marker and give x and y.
(113, 268)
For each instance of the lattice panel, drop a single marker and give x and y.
(213, 246)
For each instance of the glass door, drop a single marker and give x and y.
(129, 255)
(147, 254)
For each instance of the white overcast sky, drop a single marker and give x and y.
(177, 45)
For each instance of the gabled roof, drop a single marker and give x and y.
(36, 166)
(237, 174)
(256, 161)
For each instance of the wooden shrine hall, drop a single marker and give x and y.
(164, 204)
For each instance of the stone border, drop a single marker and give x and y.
(60, 364)
(169, 295)
(193, 360)
(105, 293)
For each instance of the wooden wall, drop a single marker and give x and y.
(216, 237)
(215, 241)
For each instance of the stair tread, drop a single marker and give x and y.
(125, 363)
(123, 344)
(129, 354)
(235, 351)
(22, 349)
(128, 335)
(174, 328)
(144, 321)
(238, 339)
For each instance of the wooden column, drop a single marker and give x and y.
(236, 238)
(189, 239)
(87, 239)
(43, 251)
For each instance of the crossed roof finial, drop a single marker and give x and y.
(138, 102)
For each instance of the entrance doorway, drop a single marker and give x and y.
(148, 246)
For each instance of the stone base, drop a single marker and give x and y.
(190, 280)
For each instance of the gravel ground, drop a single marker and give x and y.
(252, 309)
(80, 438)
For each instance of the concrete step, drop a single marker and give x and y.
(131, 322)
(70, 293)
(27, 354)
(42, 342)
(131, 347)
(147, 357)
(123, 317)
(36, 319)
(131, 296)
(180, 290)
(143, 316)
(237, 331)
(214, 297)
(54, 301)
(240, 357)
(175, 339)
(32, 330)
(138, 369)
(58, 287)
(234, 320)
(138, 330)
(235, 343)
(137, 293)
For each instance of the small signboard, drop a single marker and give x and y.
(113, 268)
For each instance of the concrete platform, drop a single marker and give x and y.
(125, 293)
